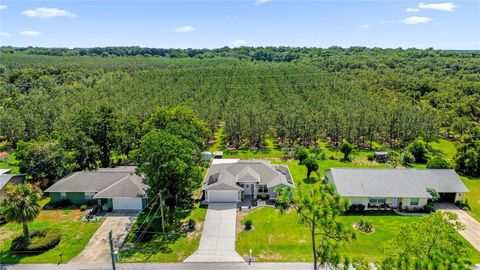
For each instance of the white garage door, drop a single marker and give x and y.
(222, 196)
(127, 203)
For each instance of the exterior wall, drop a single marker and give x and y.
(460, 197)
(54, 197)
(76, 197)
(421, 202)
(389, 200)
(358, 200)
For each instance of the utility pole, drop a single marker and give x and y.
(161, 212)
(110, 239)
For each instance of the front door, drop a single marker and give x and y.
(394, 201)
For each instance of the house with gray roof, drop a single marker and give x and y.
(235, 180)
(8, 178)
(116, 188)
(393, 187)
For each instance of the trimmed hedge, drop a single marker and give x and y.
(40, 240)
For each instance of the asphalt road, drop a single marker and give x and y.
(163, 266)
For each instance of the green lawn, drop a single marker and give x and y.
(74, 236)
(175, 248)
(280, 238)
(473, 197)
(445, 148)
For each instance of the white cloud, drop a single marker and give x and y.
(412, 10)
(3, 34)
(239, 43)
(30, 33)
(387, 21)
(260, 2)
(416, 20)
(184, 29)
(44, 12)
(3, 7)
(438, 6)
(363, 26)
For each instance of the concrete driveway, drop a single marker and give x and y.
(217, 243)
(98, 248)
(472, 226)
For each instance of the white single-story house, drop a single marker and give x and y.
(233, 181)
(393, 187)
(116, 188)
(7, 178)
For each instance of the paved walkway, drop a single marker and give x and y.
(98, 248)
(217, 243)
(472, 226)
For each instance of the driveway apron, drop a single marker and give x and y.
(217, 243)
(472, 227)
(98, 248)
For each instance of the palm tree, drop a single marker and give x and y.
(21, 205)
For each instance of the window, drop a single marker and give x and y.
(414, 201)
(377, 200)
(63, 195)
(262, 189)
(89, 195)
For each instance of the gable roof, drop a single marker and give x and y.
(246, 171)
(106, 182)
(394, 182)
(7, 178)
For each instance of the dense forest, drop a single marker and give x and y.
(294, 95)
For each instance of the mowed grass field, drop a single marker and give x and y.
(75, 235)
(278, 237)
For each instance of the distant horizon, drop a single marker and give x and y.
(231, 47)
(441, 24)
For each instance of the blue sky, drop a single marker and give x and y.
(213, 24)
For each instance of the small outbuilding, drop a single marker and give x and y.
(217, 154)
(381, 156)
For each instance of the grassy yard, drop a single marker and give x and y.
(280, 238)
(168, 249)
(473, 197)
(75, 235)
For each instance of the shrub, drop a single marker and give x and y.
(301, 154)
(361, 207)
(63, 203)
(248, 224)
(371, 156)
(191, 224)
(83, 207)
(346, 148)
(95, 210)
(353, 207)
(463, 205)
(437, 163)
(263, 196)
(364, 225)
(40, 240)
(418, 148)
(428, 208)
(407, 158)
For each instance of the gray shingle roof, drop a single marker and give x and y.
(10, 178)
(107, 182)
(129, 187)
(395, 182)
(258, 171)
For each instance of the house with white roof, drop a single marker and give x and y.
(393, 187)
